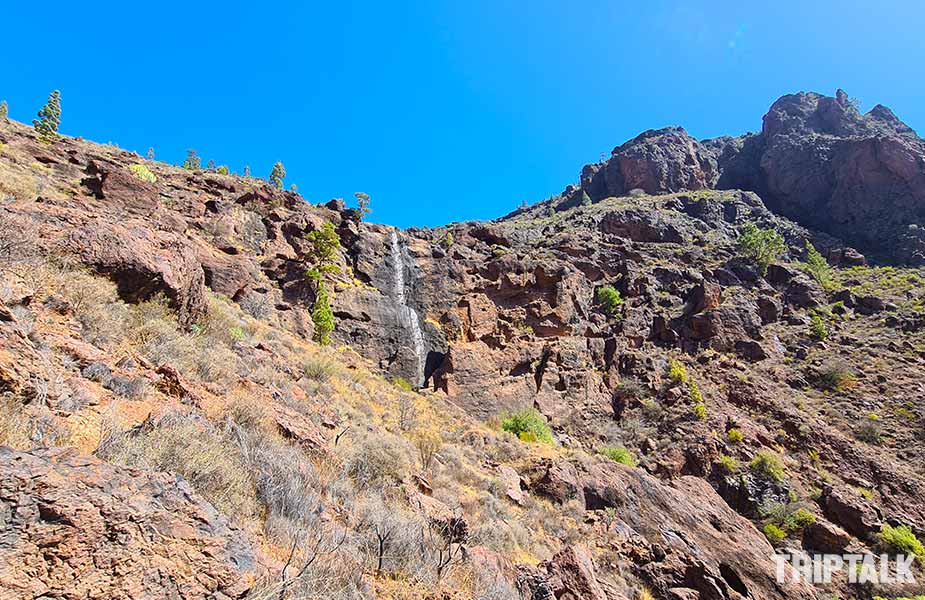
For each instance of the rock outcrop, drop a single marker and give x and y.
(76, 527)
(819, 161)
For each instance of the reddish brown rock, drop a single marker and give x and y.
(79, 528)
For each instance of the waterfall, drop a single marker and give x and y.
(407, 316)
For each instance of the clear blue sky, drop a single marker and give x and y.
(442, 110)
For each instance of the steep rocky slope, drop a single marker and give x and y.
(160, 319)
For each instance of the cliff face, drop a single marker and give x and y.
(817, 160)
(181, 302)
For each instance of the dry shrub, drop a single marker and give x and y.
(15, 424)
(192, 448)
(377, 461)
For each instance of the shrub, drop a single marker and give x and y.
(901, 540)
(700, 411)
(774, 533)
(376, 461)
(319, 369)
(143, 173)
(694, 391)
(800, 519)
(609, 299)
(817, 328)
(528, 425)
(869, 431)
(735, 436)
(222, 170)
(818, 267)
(728, 464)
(193, 449)
(676, 371)
(403, 384)
(4, 112)
(836, 376)
(619, 454)
(768, 465)
(761, 246)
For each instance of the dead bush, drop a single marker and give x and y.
(192, 448)
(378, 460)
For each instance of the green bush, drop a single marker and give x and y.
(728, 464)
(143, 173)
(694, 390)
(609, 299)
(528, 425)
(818, 267)
(403, 384)
(768, 465)
(817, 328)
(735, 436)
(676, 371)
(774, 533)
(901, 540)
(700, 411)
(619, 454)
(761, 246)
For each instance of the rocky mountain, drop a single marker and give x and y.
(174, 431)
(817, 160)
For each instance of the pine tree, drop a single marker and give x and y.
(192, 162)
(247, 171)
(585, 198)
(277, 175)
(322, 315)
(363, 203)
(210, 165)
(49, 118)
(150, 154)
(294, 188)
(4, 112)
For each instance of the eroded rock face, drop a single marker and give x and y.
(817, 160)
(656, 161)
(682, 535)
(76, 527)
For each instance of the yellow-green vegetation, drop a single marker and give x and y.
(761, 246)
(728, 464)
(142, 173)
(818, 267)
(528, 425)
(901, 540)
(694, 390)
(677, 374)
(403, 384)
(609, 299)
(768, 465)
(619, 454)
(735, 436)
(774, 533)
(818, 330)
(700, 411)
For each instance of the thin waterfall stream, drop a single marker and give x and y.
(407, 316)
